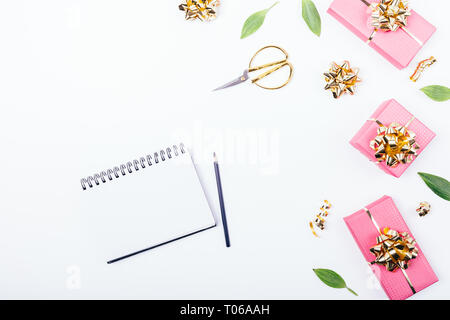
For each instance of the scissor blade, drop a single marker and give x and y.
(236, 81)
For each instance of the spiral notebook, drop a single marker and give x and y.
(143, 204)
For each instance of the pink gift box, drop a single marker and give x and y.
(388, 112)
(398, 47)
(363, 230)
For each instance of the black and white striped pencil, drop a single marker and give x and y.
(222, 204)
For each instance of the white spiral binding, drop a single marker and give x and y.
(131, 166)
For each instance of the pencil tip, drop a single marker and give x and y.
(215, 156)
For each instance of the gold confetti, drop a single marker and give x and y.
(423, 209)
(421, 67)
(320, 217)
(341, 79)
(204, 10)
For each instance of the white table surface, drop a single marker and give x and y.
(94, 83)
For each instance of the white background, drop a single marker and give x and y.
(90, 83)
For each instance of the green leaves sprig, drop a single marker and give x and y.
(438, 185)
(311, 16)
(254, 22)
(437, 93)
(332, 279)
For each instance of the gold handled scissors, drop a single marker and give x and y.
(276, 66)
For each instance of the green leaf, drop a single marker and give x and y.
(311, 16)
(437, 93)
(332, 279)
(438, 185)
(254, 22)
(352, 291)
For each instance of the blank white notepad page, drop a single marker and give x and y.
(144, 208)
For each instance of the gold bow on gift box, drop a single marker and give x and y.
(394, 250)
(394, 144)
(389, 15)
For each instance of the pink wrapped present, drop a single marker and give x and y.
(398, 47)
(391, 112)
(364, 226)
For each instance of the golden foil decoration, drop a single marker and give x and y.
(421, 67)
(394, 144)
(341, 79)
(320, 218)
(203, 10)
(389, 15)
(394, 250)
(423, 209)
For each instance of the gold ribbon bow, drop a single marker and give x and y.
(394, 144)
(199, 9)
(341, 79)
(394, 250)
(389, 15)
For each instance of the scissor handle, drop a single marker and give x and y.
(278, 65)
(266, 65)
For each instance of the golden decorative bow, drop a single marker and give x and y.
(390, 15)
(394, 144)
(199, 9)
(341, 79)
(394, 250)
